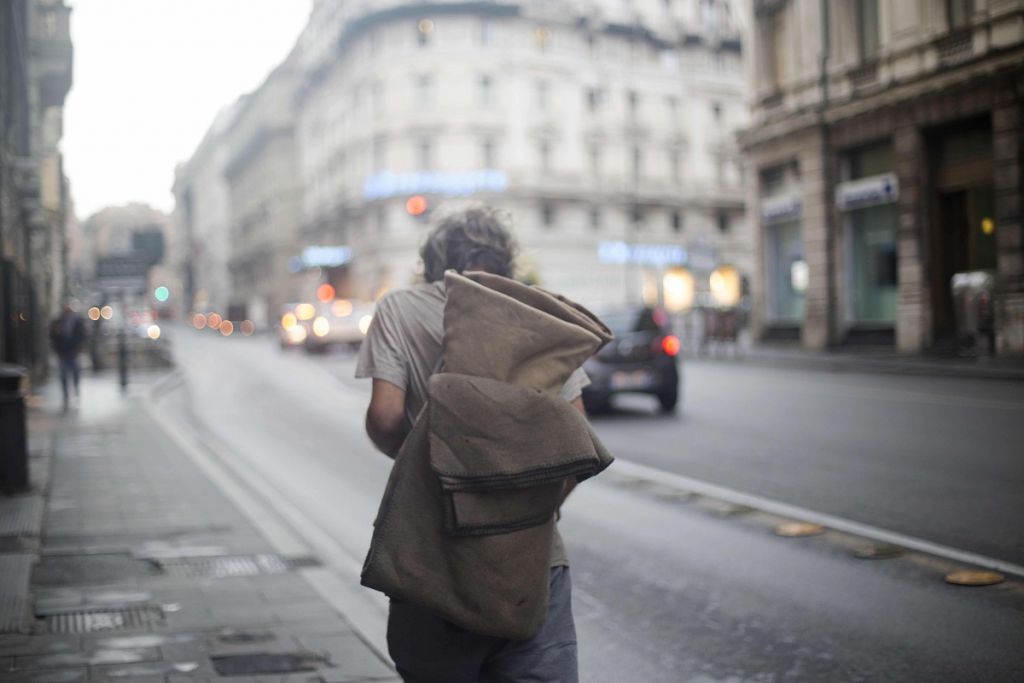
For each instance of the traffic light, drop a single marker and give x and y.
(417, 206)
(161, 294)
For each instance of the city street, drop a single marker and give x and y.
(670, 586)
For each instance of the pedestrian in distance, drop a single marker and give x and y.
(459, 363)
(67, 339)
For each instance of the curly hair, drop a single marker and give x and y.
(474, 237)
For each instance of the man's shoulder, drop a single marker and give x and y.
(415, 295)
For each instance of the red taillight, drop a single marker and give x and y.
(670, 345)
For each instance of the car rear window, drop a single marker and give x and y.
(628, 322)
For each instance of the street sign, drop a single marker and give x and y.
(128, 273)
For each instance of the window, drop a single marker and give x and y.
(424, 90)
(723, 222)
(595, 218)
(676, 221)
(542, 95)
(424, 32)
(594, 98)
(486, 91)
(380, 150)
(595, 159)
(867, 28)
(486, 32)
(377, 97)
(425, 155)
(547, 214)
(544, 150)
(672, 104)
(675, 165)
(489, 154)
(958, 13)
(542, 38)
(638, 163)
(716, 111)
(633, 100)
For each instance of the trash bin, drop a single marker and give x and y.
(13, 441)
(973, 303)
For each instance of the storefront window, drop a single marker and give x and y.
(874, 264)
(787, 271)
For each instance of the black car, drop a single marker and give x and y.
(642, 358)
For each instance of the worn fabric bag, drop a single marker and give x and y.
(466, 522)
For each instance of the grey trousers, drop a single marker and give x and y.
(428, 649)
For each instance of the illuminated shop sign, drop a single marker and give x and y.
(858, 194)
(659, 255)
(454, 184)
(321, 257)
(779, 209)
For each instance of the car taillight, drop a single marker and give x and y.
(670, 345)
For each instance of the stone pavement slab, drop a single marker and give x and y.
(145, 571)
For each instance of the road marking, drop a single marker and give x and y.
(735, 497)
(365, 610)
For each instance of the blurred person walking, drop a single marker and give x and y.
(409, 340)
(67, 338)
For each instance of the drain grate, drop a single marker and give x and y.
(91, 621)
(232, 566)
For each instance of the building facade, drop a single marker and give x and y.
(35, 77)
(202, 219)
(884, 157)
(261, 172)
(605, 128)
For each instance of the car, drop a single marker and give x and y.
(338, 323)
(292, 331)
(643, 357)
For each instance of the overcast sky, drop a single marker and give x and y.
(150, 75)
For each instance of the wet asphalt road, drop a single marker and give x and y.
(669, 588)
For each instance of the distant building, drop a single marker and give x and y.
(202, 219)
(35, 76)
(884, 157)
(606, 128)
(263, 181)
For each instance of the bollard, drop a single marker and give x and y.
(13, 441)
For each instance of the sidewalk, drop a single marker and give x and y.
(870, 361)
(125, 563)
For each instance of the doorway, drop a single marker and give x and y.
(963, 236)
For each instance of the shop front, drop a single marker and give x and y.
(785, 267)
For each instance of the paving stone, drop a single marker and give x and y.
(38, 645)
(95, 658)
(349, 654)
(76, 675)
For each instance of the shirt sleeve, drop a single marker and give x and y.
(380, 355)
(573, 386)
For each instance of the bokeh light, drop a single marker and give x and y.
(342, 308)
(94, 313)
(226, 328)
(214, 320)
(153, 332)
(325, 292)
(107, 312)
(248, 327)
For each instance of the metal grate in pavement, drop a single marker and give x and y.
(235, 565)
(15, 572)
(91, 621)
(21, 516)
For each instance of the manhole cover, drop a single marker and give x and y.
(975, 578)
(91, 621)
(232, 566)
(877, 551)
(798, 529)
(255, 664)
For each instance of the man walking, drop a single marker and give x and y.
(67, 337)
(402, 350)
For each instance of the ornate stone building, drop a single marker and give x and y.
(884, 157)
(35, 76)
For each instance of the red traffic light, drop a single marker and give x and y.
(416, 205)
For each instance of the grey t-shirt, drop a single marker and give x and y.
(403, 347)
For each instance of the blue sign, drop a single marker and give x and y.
(658, 255)
(779, 209)
(324, 257)
(453, 184)
(864, 192)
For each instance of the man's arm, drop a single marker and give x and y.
(385, 417)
